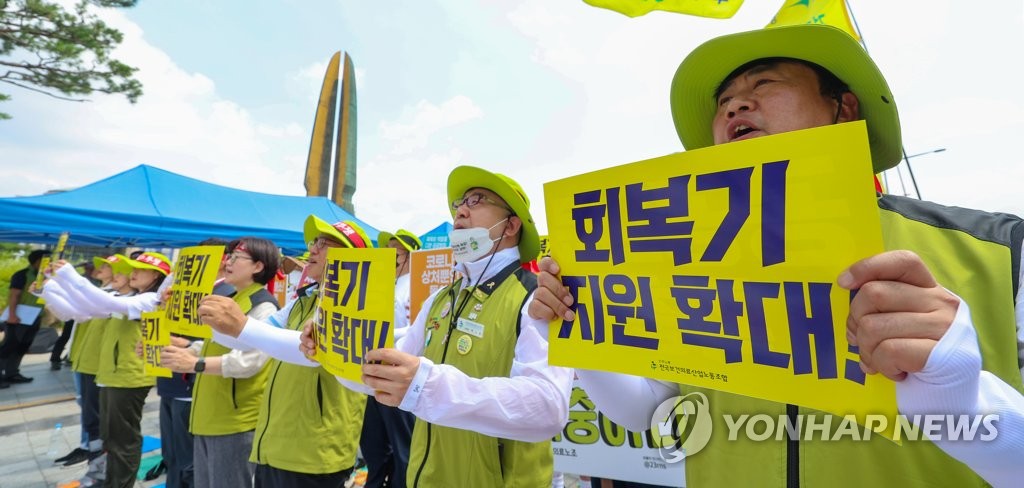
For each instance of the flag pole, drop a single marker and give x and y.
(903, 149)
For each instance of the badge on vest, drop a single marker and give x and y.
(470, 327)
(447, 307)
(464, 344)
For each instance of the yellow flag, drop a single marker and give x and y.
(828, 12)
(718, 9)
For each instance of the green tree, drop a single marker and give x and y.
(62, 53)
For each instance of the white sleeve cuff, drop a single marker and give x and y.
(949, 381)
(412, 395)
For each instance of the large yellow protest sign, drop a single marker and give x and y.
(718, 267)
(154, 337)
(355, 310)
(195, 273)
(429, 271)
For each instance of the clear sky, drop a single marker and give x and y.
(536, 89)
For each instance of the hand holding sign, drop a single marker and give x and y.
(390, 378)
(178, 359)
(307, 342)
(899, 314)
(551, 298)
(222, 314)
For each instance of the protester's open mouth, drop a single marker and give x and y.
(741, 130)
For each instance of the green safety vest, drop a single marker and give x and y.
(119, 367)
(974, 254)
(448, 457)
(86, 345)
(222, 406)
(308, 422)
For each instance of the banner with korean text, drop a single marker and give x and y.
(355, 310)
(429, 271)
(154, 337)
(591, 444)
(717, 268)
(195, 273)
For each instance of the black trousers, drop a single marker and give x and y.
(121, 429)
(65, 336)
(17, 340)
(387, 432)
(176, 442)
(271, 477)
(90, 405)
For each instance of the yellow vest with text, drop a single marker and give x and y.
(220, 405)
(448, 457)
(308, 423)
(975, 255)
(119, 367)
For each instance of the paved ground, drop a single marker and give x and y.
(28, 414)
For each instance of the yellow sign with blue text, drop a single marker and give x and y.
(355, 311)
(717, 268)
(154, 337)
(195, 274)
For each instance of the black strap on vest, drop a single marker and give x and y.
(529, 282)
(262, 296)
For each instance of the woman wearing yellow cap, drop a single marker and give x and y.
(124, 386)
(308, 429)
(112, 273)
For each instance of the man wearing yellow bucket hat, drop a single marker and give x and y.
(907, 325)
(473, 367)
(308, 428)
(387, 430)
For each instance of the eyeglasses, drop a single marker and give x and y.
(474, 199)
(235, 257)
(321, 242)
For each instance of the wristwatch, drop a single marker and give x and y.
(200, 365)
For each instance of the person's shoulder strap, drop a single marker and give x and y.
(997, 227)
(262, 296)
(529, 282)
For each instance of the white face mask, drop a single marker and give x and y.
(468, 245)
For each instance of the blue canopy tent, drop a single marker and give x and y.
(151, 207)
(437, 237)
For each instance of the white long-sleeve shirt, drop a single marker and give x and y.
(403, 299)
(97, 303)
(531, 405)
(238, 363)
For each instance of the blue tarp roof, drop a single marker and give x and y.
(151, 207)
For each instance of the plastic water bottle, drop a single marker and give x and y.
(57, 442)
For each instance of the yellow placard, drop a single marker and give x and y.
(355, 310)
(58, 253)
(545, 247)
(430, 270)
(154, 337)
(195, 273)
(718, 267)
